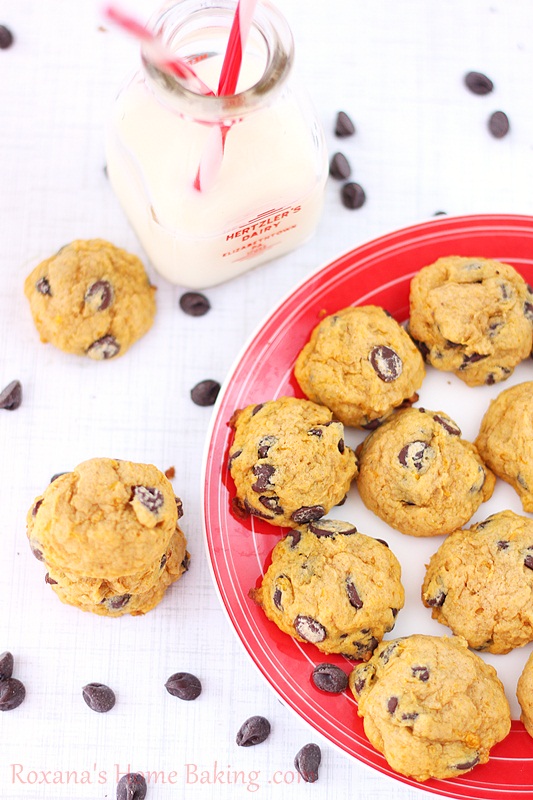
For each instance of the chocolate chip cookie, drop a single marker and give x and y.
(430, 705)
(480, 583)
(505, 439)
(333, 587)
(524, 694)
(91, 299)
(361, 364)
(473, 317)
(109, 536)
(420, 476)
(289, 461)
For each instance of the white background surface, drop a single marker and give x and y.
(421, 146)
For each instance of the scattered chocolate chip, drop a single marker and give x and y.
(339, 167)
(255, 512)
(232, 457)
(331, 527)
(373, 424)
(117, 602)
(392, 704)
(468, 764)
(423, 348)
(528, 562)
(318, 432)
(183, 685)
(276, 598)
(498, 124)
(205, 392)
(478, 83)
(99, 295)
(254, 731)
(382, 541)
(163, 561)
(341, 446)
(502, 544)
(386, 363)
(309, 629)
(194, 304)
(149, 497)
(437, 601)
(295, 536)
(263, 473)
(307, 762)
(132, 787)
(448, 425)
(416, 455)
(490, 380)
(103, 348)
(99, 697)
(179, 506)
(329, 678)
(43, 286)
(453, 345)
(11, 396)
(343, 125)
(307, 514)
(6, 38)
(48, 579)
(359, 685)
(36, 507)
(410, 715)
(272, 503)
(265, 443)
(6, 665)
(353, 195)
(387, 652)
(421, 672)
(257, 408)
(353, 595)
(12, 693)
(440, 214)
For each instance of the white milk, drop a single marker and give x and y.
(266, 199)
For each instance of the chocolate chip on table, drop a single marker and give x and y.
(99, 697)
(132, 787)
(254, 731)
(12, 693)
(329, 678)
(499, 124)
(194, 304)
(339, 167)
(307, 762)
(478, 83)
(353, 195)
(11, 396)
(440, 214)
(386, 363)
(205, 393)
(343, 125)
(6, 665)
(309, 629)
(6, 38)
(149, 497)
(103, 348)
(183, 685)
(99, 295)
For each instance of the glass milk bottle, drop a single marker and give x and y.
(266, 197)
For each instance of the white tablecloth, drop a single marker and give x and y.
(421, 146)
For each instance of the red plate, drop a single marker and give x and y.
(376, 273)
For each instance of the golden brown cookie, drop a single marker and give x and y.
(472, 316)
(106, 531)
(505, 439)
(334, 587)
(91, 298)
(524, 694)
(432, 707)
(289, 461)
(480, 583)
(361, 364)
(419, 476)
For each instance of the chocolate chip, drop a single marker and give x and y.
(307, 762)
(392, 704)
(387, 652)
(132, 787)
(343, 125)
(467, 764)
(104, 348)
(331, 527)
(163, 561)
(99, 697)
(386, 363)
(183, 685)
(12, 693)
(318, 432)
(265, 443)
(478, 83)
(254, 731)
(205, 392)
(272, 503)
(232, 457)
(6, 38)
(11, 396)
(179, 506)
(502, 544)
(307, 514)
(528, 562)
(339, 167)
(353, 195)
(490, 380)
(421, 672)
(149, 497)
(437, 601)
(6, 665)
(309, 629)
(479, 484)
(56, 475)
(99, 295)
(359, 684)
(37, 552)
(416, 455)
(382, 541)
(329, 678)
(472, 359)
(276, 598)
(117, 602)
(238, 508)
(440, 213)
(453, 345)
(522, 481)
(498, 124)
(43, 286)
(257, 408)
(353, 595)
(186, 562)
(194, 304)
(340, 446)
(295, 536)
(255, 511)
(36, 507)
(528, 311)
(373, 424)
(448, 425)
(263, 473)
(49, 580)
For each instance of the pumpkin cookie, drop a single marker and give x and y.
(524, 694)
(505, 439)
(431, 706)
(480, 583)
(417, 474)
(473, 317)
(91, 299)
(332, 586)
(289, 461)
(361, 364)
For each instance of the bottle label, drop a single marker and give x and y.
(260, 233)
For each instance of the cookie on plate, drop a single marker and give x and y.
(505, 439)
(480, 583)
(109, 536)
(333, 587)
(91, 299)
(289, 461)
(430, 705)
(419, 476)
(361, 364)
(524, 694)
(473, 317)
